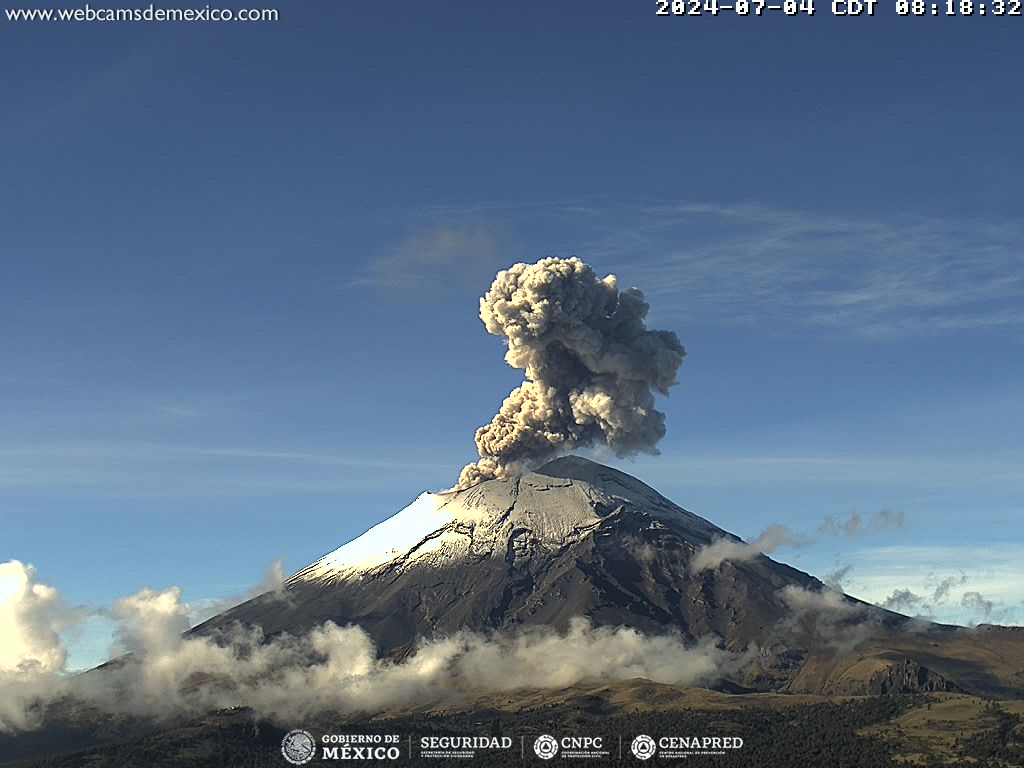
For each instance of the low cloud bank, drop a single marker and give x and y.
(330, 668)
(336, 668)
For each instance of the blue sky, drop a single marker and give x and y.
(241, 264)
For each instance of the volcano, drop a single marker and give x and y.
(574, 539)
(539, 553)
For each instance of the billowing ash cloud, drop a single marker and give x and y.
(592, 367)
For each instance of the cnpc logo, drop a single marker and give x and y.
(547, 746)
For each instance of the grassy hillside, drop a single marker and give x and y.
(778, 730)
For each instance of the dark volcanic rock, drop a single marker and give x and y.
(578, 539)
(907, 676)
(574, 538)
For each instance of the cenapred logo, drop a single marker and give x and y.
(643, 747)
(298, 747)
(545, 746)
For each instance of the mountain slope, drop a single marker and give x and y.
(573, 538)
(579, 539)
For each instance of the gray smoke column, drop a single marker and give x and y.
(592, 368)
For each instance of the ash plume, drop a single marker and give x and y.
(592, 368)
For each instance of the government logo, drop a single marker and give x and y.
(546, 747)
(643, 747)
(298, 747)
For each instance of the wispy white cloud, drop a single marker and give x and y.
(829, 469)
(440, 256)
(775, 536)
(884, 519)
(721, 550)
(956, 584)
(786, 269)
(870, 277)
(131, 468)
(271, 584)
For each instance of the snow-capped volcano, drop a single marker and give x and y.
(575, 539)
(572, 538)
(559, 504)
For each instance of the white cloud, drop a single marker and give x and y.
(151, 620)
(775, 536)
(437, 259)
(842, 274)
(830, 469)
(154, 470)
(721, 550)
(951, 584)
(32, 653)
(337, 668)
(828, 614)
(830, 601)
(272, 583)
(32, 616)
(787, 269)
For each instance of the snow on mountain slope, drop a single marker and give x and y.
(556, 505)
(572, 539)
(384, 541)
(575, 539)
